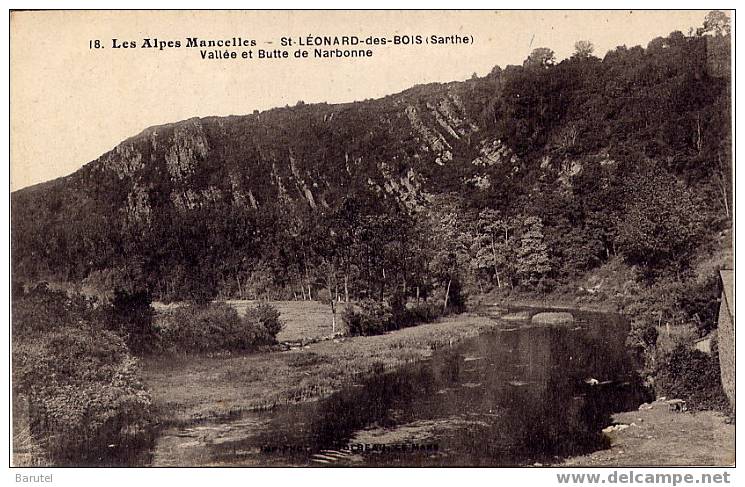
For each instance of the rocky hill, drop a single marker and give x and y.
(225, 199)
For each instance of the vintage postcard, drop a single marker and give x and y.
(441, 238)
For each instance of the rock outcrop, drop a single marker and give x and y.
(553, 318)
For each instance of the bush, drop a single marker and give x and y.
(86, 418)
(199, 328)
(132, 318)
(546, 285)
(424, 311)
(642, 336)
(693, 376)
(456, 298)
(86, 403)
(264, 324)
(663, 222)
(42, 310)
(400, 316)
(372, 318)
(352, 320)
(218, 327)
(642, 341)
(698, 301)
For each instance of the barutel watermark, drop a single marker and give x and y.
(34, 479)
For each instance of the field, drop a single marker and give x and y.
(304, 320)
(193, 387)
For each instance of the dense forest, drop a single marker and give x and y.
(521, 180)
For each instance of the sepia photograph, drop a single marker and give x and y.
(372, 238)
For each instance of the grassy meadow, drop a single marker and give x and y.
(304, 320)
(191, 387)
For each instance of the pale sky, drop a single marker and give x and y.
(70, 104)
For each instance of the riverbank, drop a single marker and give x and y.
(559, 302)
(190, 388)
(657, 436)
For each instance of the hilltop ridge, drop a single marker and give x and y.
(552, 149)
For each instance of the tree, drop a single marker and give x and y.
(583, 49)
(716, 22)
(663, 223)
(495, 72)
(532, 254)
(450, 246)
(328, 297)
(491, 250)
(540, 57)
(722, 180)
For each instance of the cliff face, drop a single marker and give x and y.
(311, 155)
(306, 158)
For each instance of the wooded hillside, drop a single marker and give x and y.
(525, 178)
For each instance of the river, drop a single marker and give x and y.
(525, 395)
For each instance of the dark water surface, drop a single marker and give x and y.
(522, 395)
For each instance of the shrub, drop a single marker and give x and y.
(546, 285)
(698, 301)
(352, 320)
(371, 318)
(642, 336)
(424, 311)
(400, 316)
(663, 222)
(218, 327)
(200, 328)
(84, 419)
(42, 310)
(456, 298)
(693, 376)
(642, 340)
(132, 317)
(263, 323)
(86, 403)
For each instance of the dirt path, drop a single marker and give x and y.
(661, 437)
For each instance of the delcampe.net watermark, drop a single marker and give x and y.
(658, 478)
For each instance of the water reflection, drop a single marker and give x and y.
(515, 397)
